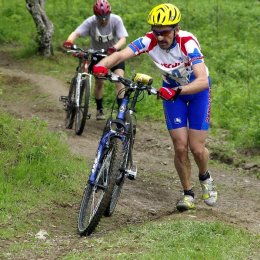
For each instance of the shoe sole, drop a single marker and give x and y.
(182, 208)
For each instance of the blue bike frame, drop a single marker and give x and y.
(107, 136)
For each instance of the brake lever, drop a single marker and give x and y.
(152, 90)
(112, 77)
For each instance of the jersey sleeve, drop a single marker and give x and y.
(120, 28)
(190, 47)
(193, 51)
(84, 28)
(142, 44)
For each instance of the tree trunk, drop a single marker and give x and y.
(44, 26)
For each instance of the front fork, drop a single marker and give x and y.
(103, 145)
(80, 77)
(77, 94)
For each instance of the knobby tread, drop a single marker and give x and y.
(70, 113)
(114, 167)
(126, 159)
(85, 95)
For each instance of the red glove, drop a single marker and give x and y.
(111, 50)
(100, 71)
(67, 44)
(168, 94)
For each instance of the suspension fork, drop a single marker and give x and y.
(78, 84)
(103, 145)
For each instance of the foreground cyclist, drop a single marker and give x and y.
(108, 32)
(177, 54)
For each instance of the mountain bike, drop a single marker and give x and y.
(114, 156)
(76, 104)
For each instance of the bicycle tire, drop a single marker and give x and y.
(126, 164)
(91, 213)
(82, 111)
(70, 105)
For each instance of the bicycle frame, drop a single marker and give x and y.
(121, 126)
(120, 132)
(82, 74)
(114, 157)
(84, 69)
(76, 103)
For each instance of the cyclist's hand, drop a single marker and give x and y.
(168, 94)
(111, 50)
(78, 54)
(99, 71)
(67, 45)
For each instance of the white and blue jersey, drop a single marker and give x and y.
(175, 65)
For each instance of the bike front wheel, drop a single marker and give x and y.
(96, 197)
(70, 105)
(125, 157)
(82, 110)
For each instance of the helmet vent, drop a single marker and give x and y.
(158, 17)
(164, 14)
(170, 16)
(163, 20)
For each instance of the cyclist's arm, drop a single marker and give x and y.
(117, 57)
(73, 36)
(121, 42)
(201, 81)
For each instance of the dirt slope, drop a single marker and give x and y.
(145, 198)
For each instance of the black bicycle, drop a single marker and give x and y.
(76, 104)
(114, 157)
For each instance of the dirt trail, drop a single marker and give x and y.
(146, 198)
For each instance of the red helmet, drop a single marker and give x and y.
(101, 8)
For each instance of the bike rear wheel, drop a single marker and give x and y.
(96, 197)
(82, 110)
(70, 105)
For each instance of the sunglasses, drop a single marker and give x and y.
(103, 18)
(162, 32)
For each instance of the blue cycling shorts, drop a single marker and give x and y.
(192, 111)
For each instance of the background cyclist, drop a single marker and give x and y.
(108, 32)
(178, 56)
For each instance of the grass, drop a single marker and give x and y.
(171, 239)
(36, 168)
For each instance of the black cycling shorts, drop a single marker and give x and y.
(119, 66)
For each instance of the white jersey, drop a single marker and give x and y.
(103, 37)
(176, 62)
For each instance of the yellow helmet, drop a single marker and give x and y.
(164, 14)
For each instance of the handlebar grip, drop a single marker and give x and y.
(143, 78)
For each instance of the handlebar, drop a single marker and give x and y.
(140, 82)
(79, 52)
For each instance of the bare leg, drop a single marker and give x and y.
(119, 86)
(99, 88)
(181, 159)
(197, 141)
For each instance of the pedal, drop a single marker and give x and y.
(64, 98)
(132, 172)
